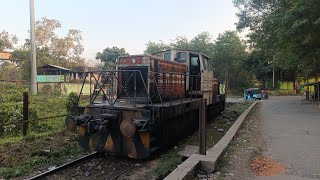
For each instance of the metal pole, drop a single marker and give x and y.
(202, 126)
(226, 71)
(25, 113)
(135, 89)
(33, 50)
(273, 77)
(273, 72)
(318, 91)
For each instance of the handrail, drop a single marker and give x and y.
(113, 76)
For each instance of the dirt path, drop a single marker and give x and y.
(248, 143)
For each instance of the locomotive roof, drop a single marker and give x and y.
(252, 89)
(191, 51)
(140, 55)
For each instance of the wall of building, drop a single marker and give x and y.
(287, 87)
(65, 88)
(76, 87)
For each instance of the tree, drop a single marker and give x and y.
(180, 43)
(50, 48)
(154, 47)
(288, 32)
(7, 41)
(65, 51)
(202, 42)
(229, 53)
(260, 65)
(110, 55)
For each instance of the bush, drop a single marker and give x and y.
(71, 102)
(11, 111)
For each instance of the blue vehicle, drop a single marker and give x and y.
(252, 94)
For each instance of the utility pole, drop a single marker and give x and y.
(33, 51)
(273, 72)
(226, 75)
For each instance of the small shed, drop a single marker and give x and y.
(315, 95)
(50, 69)
(5, 57)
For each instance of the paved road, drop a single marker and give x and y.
(292, 129)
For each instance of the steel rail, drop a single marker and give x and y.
(119, 174)
(61, 167)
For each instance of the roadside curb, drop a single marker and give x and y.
(186, 170)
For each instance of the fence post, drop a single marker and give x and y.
(202, 126)
(25, 113)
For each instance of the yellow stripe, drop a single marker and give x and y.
(109, 146)
(145, 138)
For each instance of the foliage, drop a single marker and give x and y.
(110, 55)
(30, 163)
(287, 32)
(168, 163)
(178, 43)
(229, 54)
(153, 47)
(7, 40)
(228, 48)
(62, 49)
(258, 63)
(39, 107)
(202, 42)
(11, 107)
(71, 102)
(51, 48)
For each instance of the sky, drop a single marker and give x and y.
(128, 24)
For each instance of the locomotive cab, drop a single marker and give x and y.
(200, 81)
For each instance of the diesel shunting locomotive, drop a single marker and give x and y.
(148, 102)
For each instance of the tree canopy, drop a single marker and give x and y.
(7, 41)
(153, 47)
(50, 48)
(109, 56)
(228, 48)
(286, 32)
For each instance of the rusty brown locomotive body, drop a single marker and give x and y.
(148, 103)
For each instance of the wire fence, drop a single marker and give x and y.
(25, 121)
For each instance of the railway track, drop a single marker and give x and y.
(80, 160)
(59, 168)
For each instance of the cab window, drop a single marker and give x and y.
(167, 56)
(182, 57)
(194, 61)
(206, 65)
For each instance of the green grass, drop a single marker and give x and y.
(168, 163)
(15, 150)
(37, 161)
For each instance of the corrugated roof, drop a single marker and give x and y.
(311, 84)
(5, 55)
(178, 49)
(59, 67)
